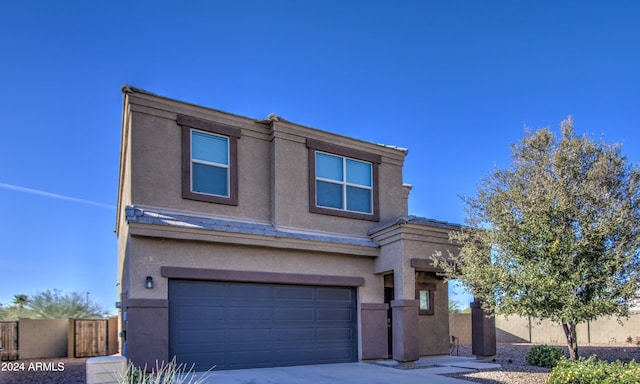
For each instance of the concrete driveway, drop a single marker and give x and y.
(352, 373)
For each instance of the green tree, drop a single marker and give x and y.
(555, 236)
(16, 310)
(20, 300)
(53, 304)
(456, 307)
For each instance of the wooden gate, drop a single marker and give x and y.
(90, 338)
(9, 340)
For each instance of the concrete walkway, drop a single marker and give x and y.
(427, 370)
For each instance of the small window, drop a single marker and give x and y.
(342, 181)
(425, 296)
(209, 161)
(425, 300)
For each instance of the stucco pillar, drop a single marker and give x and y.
(405, 330)
(147, 332)
(483, 332)
(375, 343)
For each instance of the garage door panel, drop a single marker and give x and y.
(217, 359)
(198, 336)
(290, 335)
(251, 314)
(256, 356)
(335, 294)
(336, 315)
(186, 292)
(249, 335)
(242, 325)
(291, 293)
(332, 334)
(292, 314)
(201, 312)
(250, 292)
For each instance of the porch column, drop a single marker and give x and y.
(147, 327)
(405, 330)
(483, 332)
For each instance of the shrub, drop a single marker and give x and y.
(544, 356)
(165, 373)
(592, 371)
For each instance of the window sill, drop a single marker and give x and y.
(347, 214)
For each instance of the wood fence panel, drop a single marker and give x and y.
(9, 340)
(91, 338)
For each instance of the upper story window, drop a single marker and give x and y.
(342, 181)
(209, 161)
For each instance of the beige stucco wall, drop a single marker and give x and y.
(404, 242)
(515, 329)
(41, 338)
(273, 169)
(151, 155)
(434, 329)
(154, 253)
(460, 327)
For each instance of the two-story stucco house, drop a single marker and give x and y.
(254, 243)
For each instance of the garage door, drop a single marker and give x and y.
(246, 325)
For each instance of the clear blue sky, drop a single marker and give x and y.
(454, 81)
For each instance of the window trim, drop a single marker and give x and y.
(332, 149)
(188, 124)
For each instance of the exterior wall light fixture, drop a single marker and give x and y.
(149, 282)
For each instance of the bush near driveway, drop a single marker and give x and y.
(593, 371)
(544, 356)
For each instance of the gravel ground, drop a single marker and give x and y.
(515, 369)
(45, 371)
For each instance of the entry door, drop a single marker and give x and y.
(388, 297)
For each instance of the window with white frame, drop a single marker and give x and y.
(344, 183)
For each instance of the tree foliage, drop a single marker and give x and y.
(52, 304)
(555, 236)
(456, 307)
(20, 300)
(14, 312)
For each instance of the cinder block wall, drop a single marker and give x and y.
(113, 343)
(40, 338)
(460, 327)
(517, 329)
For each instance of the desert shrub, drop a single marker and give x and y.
(164, 373)
(592, 371)
(544, 356)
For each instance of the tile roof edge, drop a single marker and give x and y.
(417, 220)
(157, 217)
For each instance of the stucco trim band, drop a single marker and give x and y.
(260, 277)
(374, 306)
(147, 303)
(425, 265)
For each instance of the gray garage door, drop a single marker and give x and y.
(247, 325)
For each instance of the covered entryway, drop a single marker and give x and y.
(233, 325)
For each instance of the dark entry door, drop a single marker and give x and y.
(245, 325)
